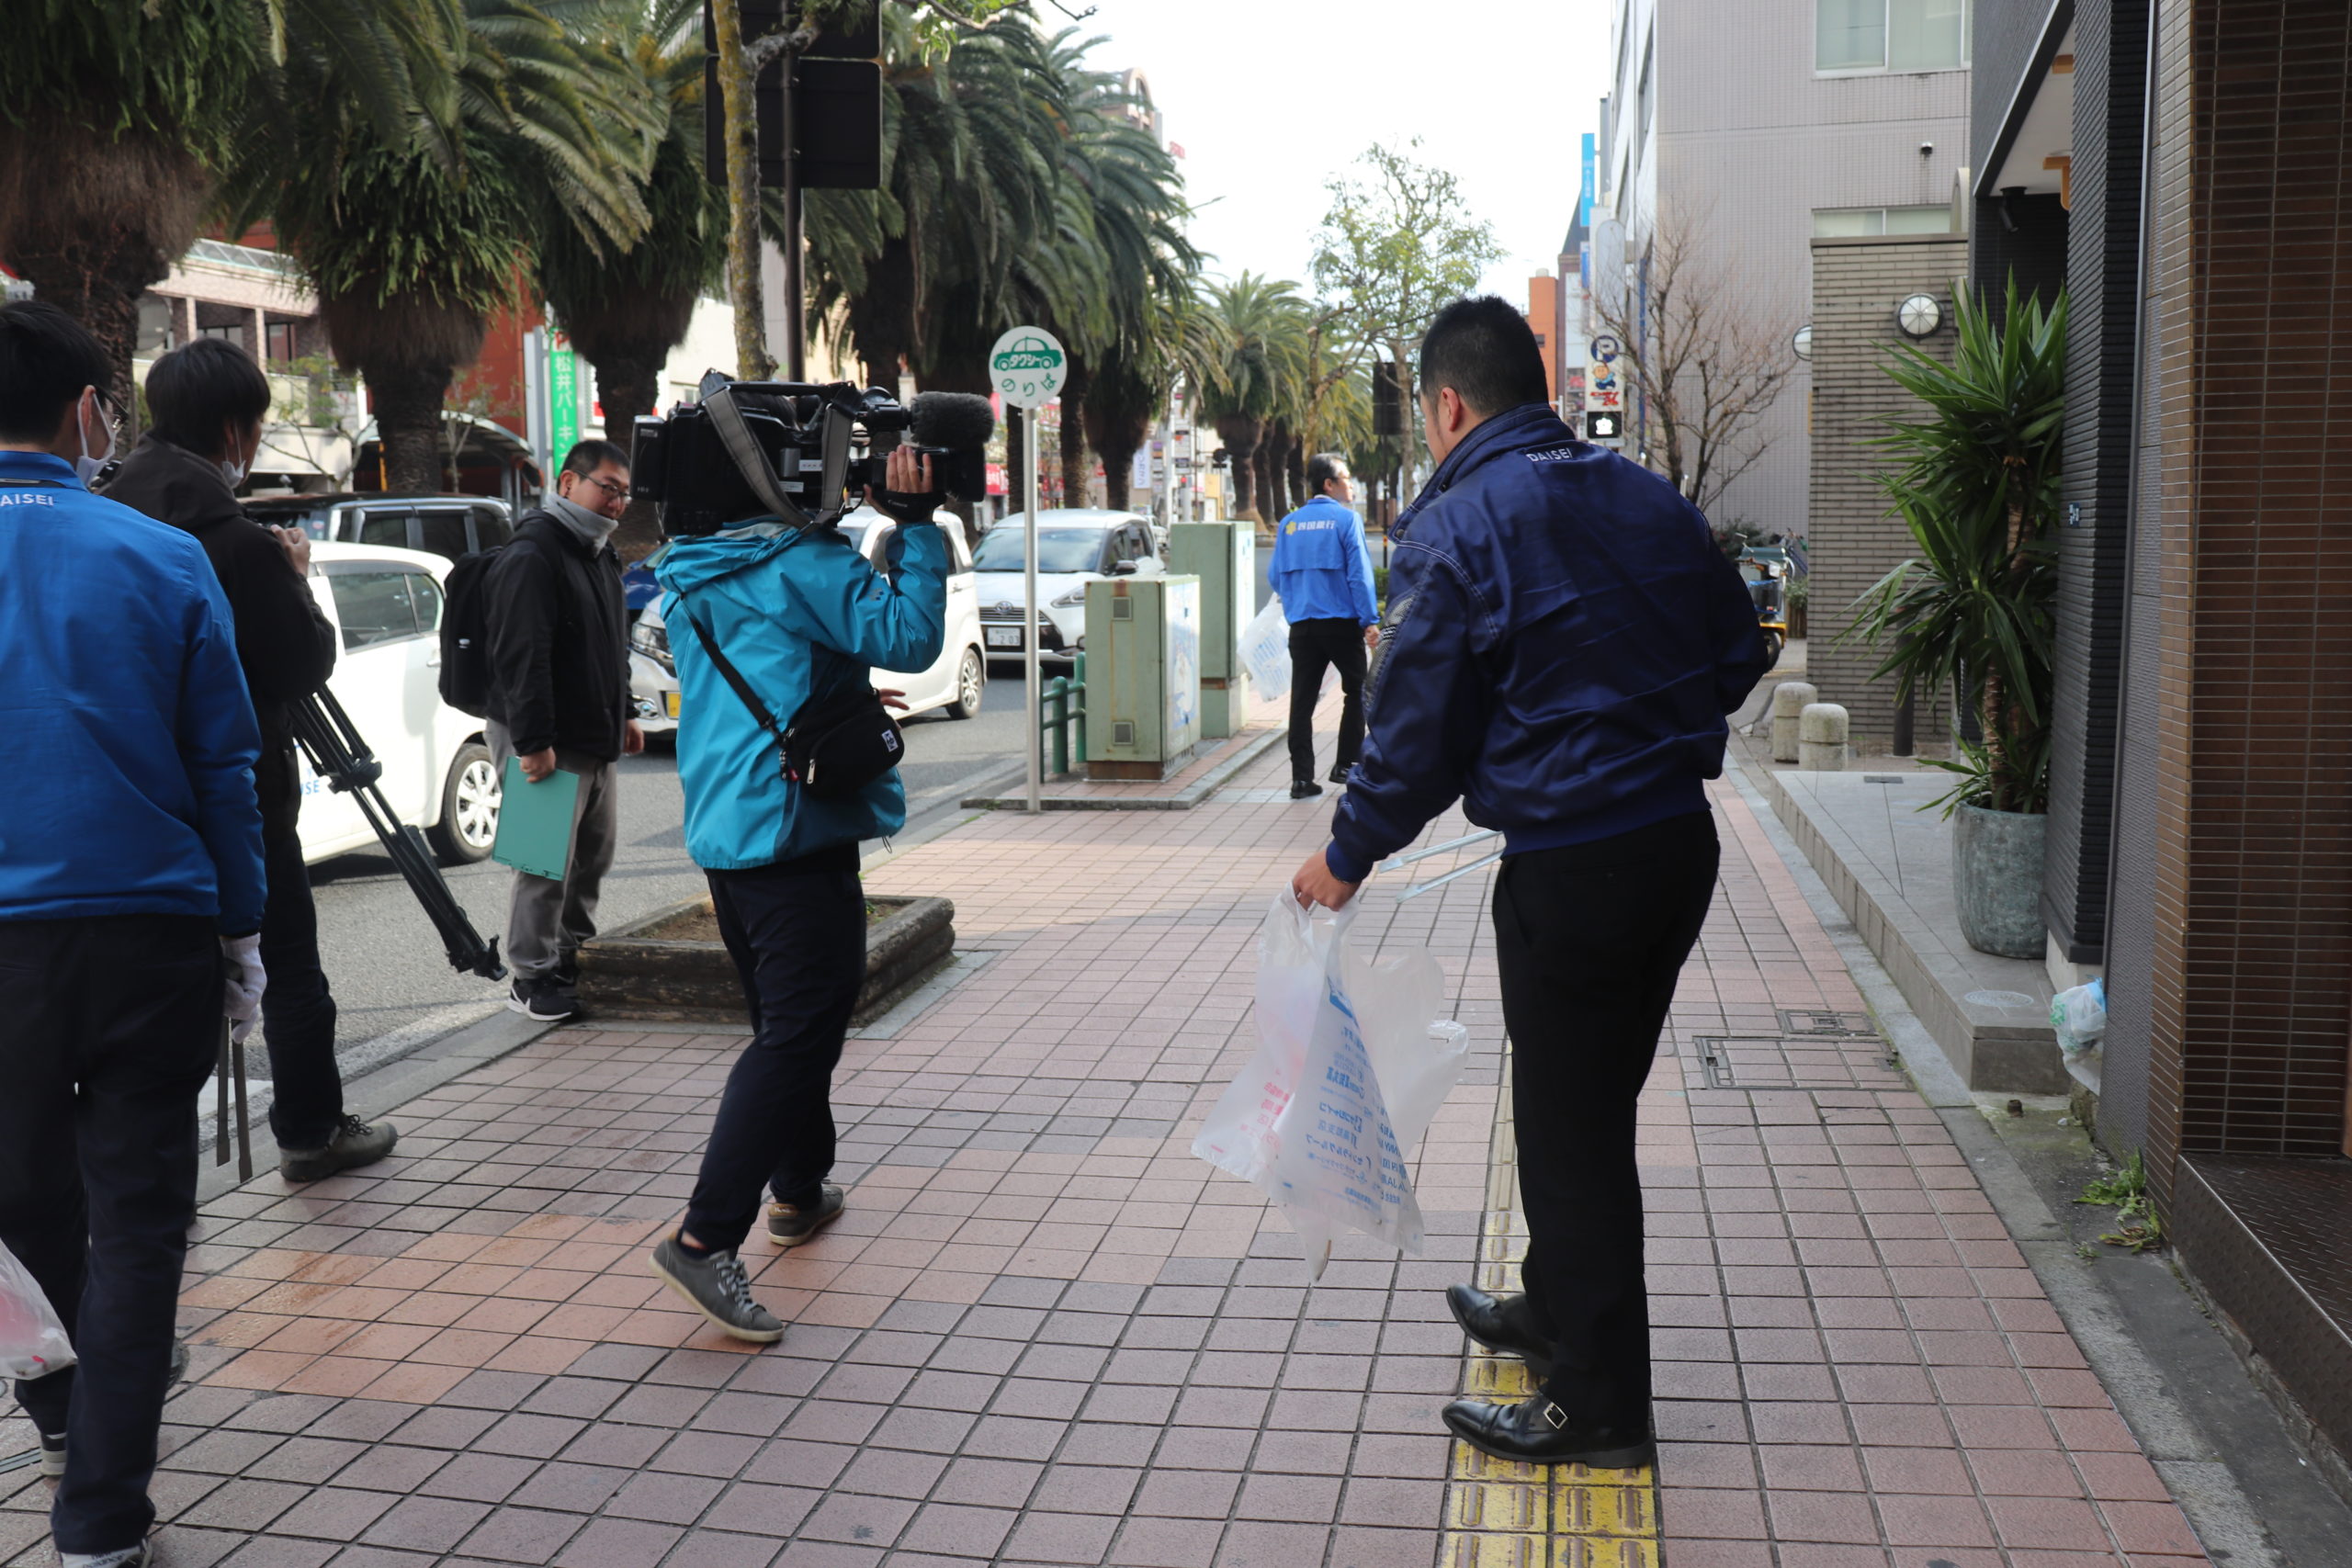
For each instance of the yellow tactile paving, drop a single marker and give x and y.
(1503, 1514)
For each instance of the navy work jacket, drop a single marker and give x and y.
(1563, 641)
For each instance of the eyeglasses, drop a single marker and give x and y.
(619, 493)
(111, 414)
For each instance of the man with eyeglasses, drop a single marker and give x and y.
(558, 700)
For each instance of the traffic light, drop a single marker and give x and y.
(1604, 425)
(1387, 399)
(836, 103)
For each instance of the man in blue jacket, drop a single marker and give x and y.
(1563, 641)
(1323, 573)
(798, 613)
(131, 883)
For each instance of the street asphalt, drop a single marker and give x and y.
(392, 983)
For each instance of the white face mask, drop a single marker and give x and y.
(85, 466)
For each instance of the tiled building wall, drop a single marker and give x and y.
(2250, 981)
(1856, 540)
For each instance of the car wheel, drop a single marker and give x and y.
(468, 824)
(971, 684)
(1771, 650)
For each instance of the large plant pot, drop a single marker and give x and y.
(1996, 880)
(672, 965)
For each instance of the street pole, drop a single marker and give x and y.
(1032, 729)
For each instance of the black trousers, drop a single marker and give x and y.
(1591, 939)
(796, 931)
(1313, 645)
(108, 1027)
(297, 1011)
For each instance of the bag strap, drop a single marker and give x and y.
(736, 436)
(733, 676)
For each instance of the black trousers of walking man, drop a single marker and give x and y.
(1315, 645)
(1591, 939)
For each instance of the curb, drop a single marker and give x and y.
(1200, 789)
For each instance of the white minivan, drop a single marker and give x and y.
(386, 606)
(955, 679)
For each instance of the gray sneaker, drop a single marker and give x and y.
(719, 1289)
(355, 1144)
(138, 1556)
(789, 1224)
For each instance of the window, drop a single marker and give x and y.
(384, 528)
(425, 594)
(1847, 223)
(491, 529)
(1890, 35)
(442, 530)
(374, 605)
(283, 338)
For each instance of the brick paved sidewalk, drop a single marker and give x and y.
(1043, 1334)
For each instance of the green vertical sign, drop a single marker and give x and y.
(563, 402)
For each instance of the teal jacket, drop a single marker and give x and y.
(795, 612)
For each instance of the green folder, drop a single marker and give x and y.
(535, 821)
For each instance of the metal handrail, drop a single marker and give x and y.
(1058, 713)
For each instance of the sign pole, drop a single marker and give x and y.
(1035, 727)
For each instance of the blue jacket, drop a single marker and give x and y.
(1564, 640)
(790, 609)
(131, 791)
(1320, 567)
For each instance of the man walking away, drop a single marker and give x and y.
(559, 670)
(207, 398)
(799, 615)
(1564, 640)
(1323, 573)
(130, 904)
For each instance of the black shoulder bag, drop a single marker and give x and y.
(836, 745)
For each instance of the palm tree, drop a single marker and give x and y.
(1131, 391)
(1254, 324)
(117, 115)
(625, 309)
(412, 241)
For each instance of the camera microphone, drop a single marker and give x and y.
(955, 428)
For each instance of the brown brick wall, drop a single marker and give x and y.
(1852, 538)
(2250, 983)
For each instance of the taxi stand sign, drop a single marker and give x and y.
(1026, 368)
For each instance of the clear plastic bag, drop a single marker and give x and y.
(2079, 1015)
(32, 1337)
(1352, 1063)
(1265, 648)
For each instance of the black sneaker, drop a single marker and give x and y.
(355, 1144)
(541, 1000)
(719, 1289)
(1304, 789)
(1341, 771)
(789, 1224)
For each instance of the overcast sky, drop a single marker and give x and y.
(1271, 98)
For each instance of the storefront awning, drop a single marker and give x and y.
(2033, 153)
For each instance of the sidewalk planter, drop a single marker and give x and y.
(672, 965)
(1996, 879)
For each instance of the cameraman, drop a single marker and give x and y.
(799, 614)
(209, 399)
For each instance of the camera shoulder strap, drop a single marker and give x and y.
(750, 461)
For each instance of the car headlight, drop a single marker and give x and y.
(1071, 600)
(655, 643)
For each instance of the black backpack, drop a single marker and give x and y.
(465, 629)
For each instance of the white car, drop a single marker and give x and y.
(955, 679)
(385, 606)
(1076, 545)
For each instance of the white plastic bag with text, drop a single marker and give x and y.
(32, 1339)
(1265, 649)
(1352, 1063)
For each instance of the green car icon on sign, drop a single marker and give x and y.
(1030, 353)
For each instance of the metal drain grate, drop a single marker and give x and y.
(1803, 1062)
(1817, 1021)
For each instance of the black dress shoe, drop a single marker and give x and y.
(1539, 1432)
(1340, 772)
(1488, 1319)
(1304, 789)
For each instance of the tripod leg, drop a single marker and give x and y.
(244, 1129)
(220, 1100)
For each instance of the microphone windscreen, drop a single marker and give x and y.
(951, 419)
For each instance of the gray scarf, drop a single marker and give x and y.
(592, 527)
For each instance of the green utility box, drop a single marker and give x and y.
(1224, 556)
(1143, 675)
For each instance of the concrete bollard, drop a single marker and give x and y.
(1821, 739)
(1788, 700)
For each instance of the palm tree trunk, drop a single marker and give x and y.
(736, 89)
(1241, 436)
(1270, 495)
(408, 425)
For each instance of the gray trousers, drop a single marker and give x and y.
(547, 921)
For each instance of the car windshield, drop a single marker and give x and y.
(1058, 550)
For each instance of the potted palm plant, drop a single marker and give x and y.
(1971, 613)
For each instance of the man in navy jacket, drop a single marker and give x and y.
(1563, 641)
(1324, 576)
(131, 885)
